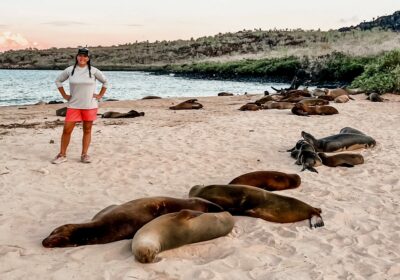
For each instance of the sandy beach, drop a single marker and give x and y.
(167, 152)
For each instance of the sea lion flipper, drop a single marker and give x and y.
(310, 168)
(316, 221)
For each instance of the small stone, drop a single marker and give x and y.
(51, 141)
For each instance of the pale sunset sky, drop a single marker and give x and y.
(49, 23)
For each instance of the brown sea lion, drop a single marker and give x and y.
(319, 92)
(303, 110)
(225, 94)
(258, 203)
(326, 97)
(340, 142)
(151, 97)
(264, 99)
(250, 107)
(342, 99)
(177, 229)
(277, 105)
(187, 105)
(335, 92)
(343, 159)
(117, 222)
(268, 180)
(117, 115)
(314, 102)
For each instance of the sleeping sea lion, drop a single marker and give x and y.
(303, 110)
(340, 142)
(268, 180)
(117, 222)
(187, 105)
(177, 229)
(258, 203)
(343, 159)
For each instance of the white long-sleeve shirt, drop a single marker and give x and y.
(81, 86)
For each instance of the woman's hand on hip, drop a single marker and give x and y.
(67, 97)
(97, 96)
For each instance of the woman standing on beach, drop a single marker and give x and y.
(82, 101)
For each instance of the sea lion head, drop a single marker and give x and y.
(70, 235)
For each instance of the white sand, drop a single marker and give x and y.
(167, 152)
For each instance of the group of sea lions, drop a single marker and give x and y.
(162, 223)
(310, 152)
(301, 102)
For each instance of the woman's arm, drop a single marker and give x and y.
(60, 79)
(100, 76)
(63, 93)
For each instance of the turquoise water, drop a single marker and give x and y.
(21, 87)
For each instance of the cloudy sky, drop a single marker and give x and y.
(49, 23)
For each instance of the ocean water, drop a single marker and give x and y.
(22, 87)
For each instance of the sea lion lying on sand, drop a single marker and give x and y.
(225, 94)
(117, 115)
(250, 107)
(303, 110)
(258, 203)
(177, 229)
(277, 105)
(340, 142)
(151, 97)
(118, 222)
(314, 102)
(343, 159)
(268, 180)
(187, 105)
(375, 97)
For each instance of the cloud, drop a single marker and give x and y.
(64, 23)
(15, 41)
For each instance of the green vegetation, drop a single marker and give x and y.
(382, 74)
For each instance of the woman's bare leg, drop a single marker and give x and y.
(66, 136)
(87, 136)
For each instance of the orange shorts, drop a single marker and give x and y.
(78, 115)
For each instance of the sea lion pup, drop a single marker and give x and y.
(340, 142)
(225, 94)
(117, 222)
(250, 107)
(375, 97)
(263, 100)
(303, 110)
(151, 97)
(187, 105)
(342, 99)
(258, 203)
(314, 102)
(344, 159)
(277, 105)
(177, 229)
(268, 180)
(309, 160)
(117, 115)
